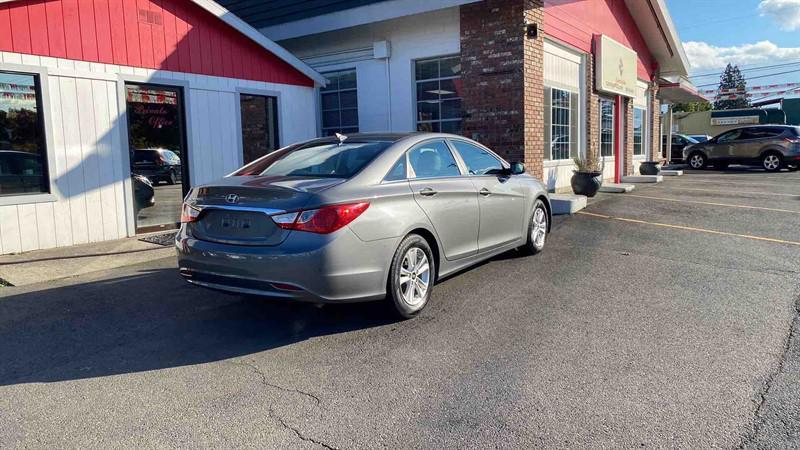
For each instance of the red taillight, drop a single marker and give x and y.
(792, 140)
(189, 213)
(324, 220)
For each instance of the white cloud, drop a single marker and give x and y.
(785, 12)
(704, 56)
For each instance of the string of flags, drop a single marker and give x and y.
(152, 96)
(757, 89)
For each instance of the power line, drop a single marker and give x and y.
(754, 78)
(747, 69)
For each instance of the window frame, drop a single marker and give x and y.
(238, 112)
(43, 104)
(415, 82)
(614, 112)
(409, 169)
(642, 133)
(463, 164)
(569, 125)
(322, 111)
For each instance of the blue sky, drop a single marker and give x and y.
(750, 33)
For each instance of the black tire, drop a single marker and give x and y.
(172, 178)
(697, 161)
(533, 245)
(398, 291)
(772, 161)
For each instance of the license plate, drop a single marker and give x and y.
(235, 223)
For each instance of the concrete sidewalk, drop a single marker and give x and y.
(53, 264)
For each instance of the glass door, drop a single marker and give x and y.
(157, 143)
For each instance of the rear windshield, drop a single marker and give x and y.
(316, 160)
(145, 156)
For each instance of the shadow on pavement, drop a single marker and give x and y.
(152, 320)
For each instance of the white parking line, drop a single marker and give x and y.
(694, 229)
(768, 194)
(728, 205)
(740, 182)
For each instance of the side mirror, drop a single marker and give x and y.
(517, 168)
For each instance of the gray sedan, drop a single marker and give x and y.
(360, 217)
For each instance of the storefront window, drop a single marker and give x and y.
(158, 154)
(606, 127)
(438, 83)
(561, 121)
(259, 126)
(638, 131)
(339, 100)
(23, 158)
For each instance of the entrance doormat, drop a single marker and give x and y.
(165, 239)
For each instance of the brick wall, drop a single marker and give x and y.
(534, 89)
(627, 167)
(592, 111)
(502, 79)
(655, 136)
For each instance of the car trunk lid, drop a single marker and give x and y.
(237, 210)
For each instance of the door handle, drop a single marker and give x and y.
(428, 192)
(485, 192)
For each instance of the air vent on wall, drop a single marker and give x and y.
(150, 17)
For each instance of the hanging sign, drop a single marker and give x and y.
(616, 67)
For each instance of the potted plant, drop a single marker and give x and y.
(588, 177)
(650, 167)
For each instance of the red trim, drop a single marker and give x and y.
(575, 23)
(619, 133)
(175, 35)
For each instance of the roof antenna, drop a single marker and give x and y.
(341, 138)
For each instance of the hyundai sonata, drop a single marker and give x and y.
(360, 217)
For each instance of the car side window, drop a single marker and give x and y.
(398, 172)
(432, 159)
(478, 160)
(677, 140)
(730, 136)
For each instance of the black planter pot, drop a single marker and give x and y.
(650, 168)
(586, 183)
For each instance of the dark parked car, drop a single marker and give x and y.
(773, 147)
(157, 164)
(20, 172)
(700, 137)
(143, 192)
(679, 142)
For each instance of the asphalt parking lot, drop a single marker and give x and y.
(659, 318)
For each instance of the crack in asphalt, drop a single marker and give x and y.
(257, 370)
(761, 397)
(271, 412)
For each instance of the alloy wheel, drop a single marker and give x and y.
(696, 161)
(415, 274)
(539, 228)
(772, 162)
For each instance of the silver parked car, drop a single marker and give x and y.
(772, 147)
(359, 218)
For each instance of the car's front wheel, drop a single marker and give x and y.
(772, 161)
(537, 229)
(411, 276)
(697, 160)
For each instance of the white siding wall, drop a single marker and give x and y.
(386, 89)
(563, 69)
(91, 169)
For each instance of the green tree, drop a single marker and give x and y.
(692, 107)
(732, 78)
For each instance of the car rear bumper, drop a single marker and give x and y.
(338, 267)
